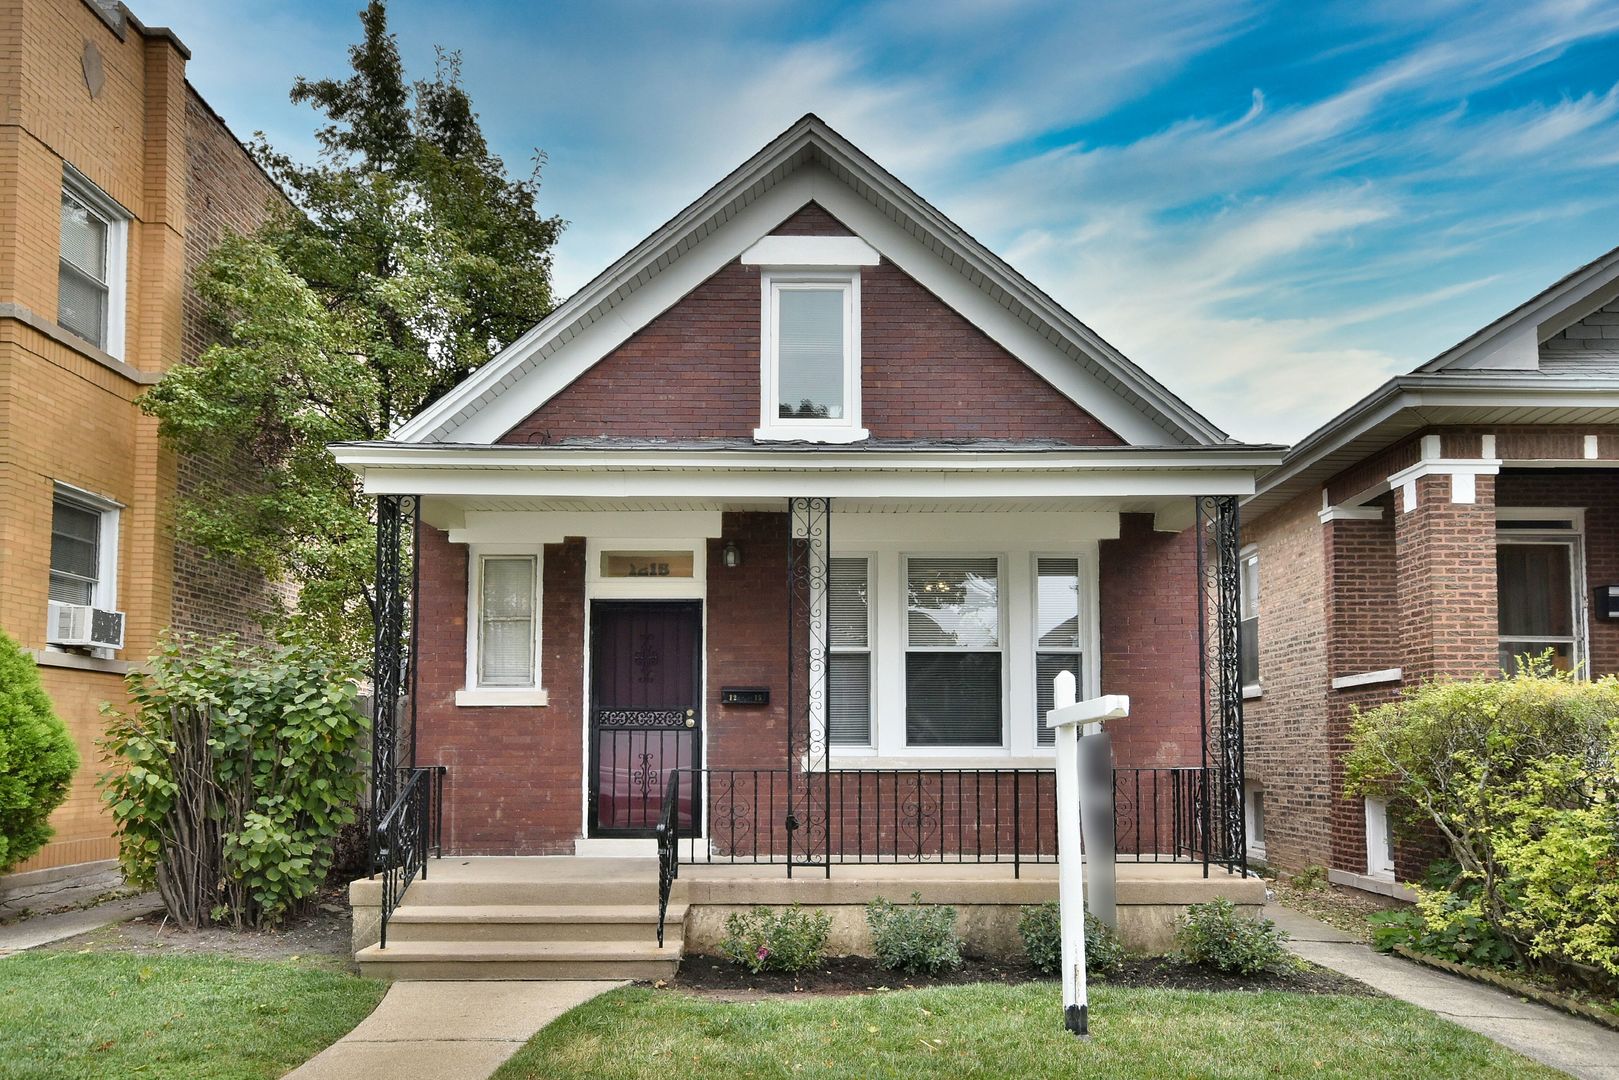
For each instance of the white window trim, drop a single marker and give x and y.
(473, 694)
(117, 221)
(775, 428)
(1250, 554)
(648, 588)
(1377, 840)
(1256, 846)
(105, 593)
(878, 538)
(1572, 538)
(819, 605)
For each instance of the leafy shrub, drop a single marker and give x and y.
(1040, 927)
(37, 757)
(1214, 935)
(786, 939)
(234, 774)
(1517, 775)
(917, 939)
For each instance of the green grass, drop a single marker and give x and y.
(80, 1015)
(1007, 1031)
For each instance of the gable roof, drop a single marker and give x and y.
(1501, 374)
(810, 162)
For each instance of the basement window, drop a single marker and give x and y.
(810, 349)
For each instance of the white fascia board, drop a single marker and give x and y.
(811, 251)
(552, 527)
(1035, 528)
(784, 484)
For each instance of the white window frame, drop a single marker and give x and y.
(474, 693)
(116, 219)
(1250, 556)
(1255, 837)
(772, 427)
(1087, 635)
(1572, 538)
(1003, 647)
(104, 593)
(1379, 840)
(869, 650)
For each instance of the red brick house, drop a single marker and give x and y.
(808, 497)
(1455, 518)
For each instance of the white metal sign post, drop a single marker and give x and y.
(1066, 719)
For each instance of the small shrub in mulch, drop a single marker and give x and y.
(915, 939)
(790, 940)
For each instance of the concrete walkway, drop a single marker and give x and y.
(37, 930)
(1578, 1047)
(446, 1030)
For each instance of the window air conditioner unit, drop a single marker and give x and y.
(83, 626)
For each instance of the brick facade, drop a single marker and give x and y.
(1413, 590)
(693, 372)
(68, 411)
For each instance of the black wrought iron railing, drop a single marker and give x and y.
(407, 835)
(1159, 814)
(668, 839)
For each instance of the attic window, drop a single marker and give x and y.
(810, 352)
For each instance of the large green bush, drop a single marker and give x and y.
(1519, 776)
(1215, 935)
(1040, 927)
(37, 758)
(233, 775)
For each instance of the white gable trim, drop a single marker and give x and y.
(1131, 403)
(835, 252)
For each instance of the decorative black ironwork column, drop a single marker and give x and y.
(809, 783)
(1219, 541)
(393, 675)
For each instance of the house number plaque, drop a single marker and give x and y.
(647, 564)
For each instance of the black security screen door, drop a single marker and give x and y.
(645, 712)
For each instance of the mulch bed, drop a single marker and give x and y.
(715, 977)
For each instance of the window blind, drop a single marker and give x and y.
(953, 698)
(75, 552)
(82, 280)
(848, 711)
(506, 622)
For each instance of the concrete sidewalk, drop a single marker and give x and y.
(37, 930)
(1578, 1047)
(446, 1030)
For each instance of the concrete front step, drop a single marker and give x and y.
(633, 923)
(507, 959)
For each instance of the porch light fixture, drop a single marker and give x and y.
(732, 555)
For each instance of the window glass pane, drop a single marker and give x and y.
(809, 353)
(506, 653)
(81, 306)
(625, 564)
(508, 588)
(1248, 629)
(846, 603)
(75, 540)
(69, 590)
(848, 706)
(1046, 667)
(953, 602)
(953, 699)
(1533, 585)
(84, 238)
(1057, 602)
(1249, 597)
(1562, 654)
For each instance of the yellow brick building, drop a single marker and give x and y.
(115, 180)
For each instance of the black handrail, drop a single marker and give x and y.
(668, 839)
(410, 830)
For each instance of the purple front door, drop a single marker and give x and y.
(646, 712)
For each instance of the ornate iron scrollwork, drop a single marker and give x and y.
(809, 783)
(642, 718)
(1219, 541)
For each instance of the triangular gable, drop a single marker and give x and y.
(811, 164)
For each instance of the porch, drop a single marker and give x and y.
(497, 917)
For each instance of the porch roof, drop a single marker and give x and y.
(740, 469)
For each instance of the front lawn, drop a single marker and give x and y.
(986, 1031)
(82, 1015)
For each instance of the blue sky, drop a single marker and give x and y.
(1271, 206)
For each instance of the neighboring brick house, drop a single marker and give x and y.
(808, 467)
(1458, 516)
(115, 179)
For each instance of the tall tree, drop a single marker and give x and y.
(407, 258)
